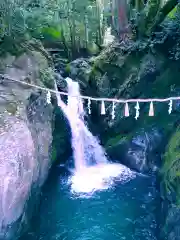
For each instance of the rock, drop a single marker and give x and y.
(79, 70)
(176, 104)
(170, 204)
(61, 83)
(25, 146)
(171, 229)
(62, 137)
(142, 152)
(7, 61)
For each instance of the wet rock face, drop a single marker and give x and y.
(171, 222)
(142, 152)
(145, 150)
(25, 144)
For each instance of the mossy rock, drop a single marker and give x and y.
(171, 167)
(47, 77)
(68, 68)
(46, 73)
(12, 108)
(113, 141)
(41, 60)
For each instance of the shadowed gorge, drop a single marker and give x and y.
(89, 120)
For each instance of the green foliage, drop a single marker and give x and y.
(149, 16)
(13, 27)
(73, 23)
(115, 140)
(68, 68)
(171, 167)
(172, 14)
(11, 108)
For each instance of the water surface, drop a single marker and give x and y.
(125, 212)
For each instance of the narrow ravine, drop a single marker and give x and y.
(96, 199)
(106, 164)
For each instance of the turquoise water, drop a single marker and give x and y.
(124, 212)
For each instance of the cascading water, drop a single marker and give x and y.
(92, 169)
(86, 148)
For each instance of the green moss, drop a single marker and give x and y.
(113, 141)
(95, 74)
(68, 68)
(93, 48)
(171, 167)
(172, 14)
(11, 108)
(46, 73)
(116, 139)
(46, 76)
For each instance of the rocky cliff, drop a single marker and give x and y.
(25, 141)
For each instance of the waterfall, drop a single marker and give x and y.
(92, 169)
(86, 148)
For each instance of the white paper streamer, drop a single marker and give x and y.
(113, 111)
(137, 110)
(103, 111)
(151, 110)
(170, 106)
(126, 110)
(5, 76)
(89, 105)
(48, 97)
(81, 108)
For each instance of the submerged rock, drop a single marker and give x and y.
(25, 145)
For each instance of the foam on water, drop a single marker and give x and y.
(99, 177)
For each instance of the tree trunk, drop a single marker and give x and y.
(86, 30)
(99, 35)
(72, 25)
(139, 5)
(123, 26)
(112, 5)
(155, 16)
(164, 11)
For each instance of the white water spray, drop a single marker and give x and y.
(92, 169)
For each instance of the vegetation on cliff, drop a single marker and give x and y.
(171, 165)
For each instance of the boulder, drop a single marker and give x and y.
(25, 145)
(79, 70)
(142, 152)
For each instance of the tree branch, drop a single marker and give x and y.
(164, 11)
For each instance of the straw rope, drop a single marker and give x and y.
(4, 76)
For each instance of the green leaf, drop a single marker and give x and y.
(52, 32)
(172, 14)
